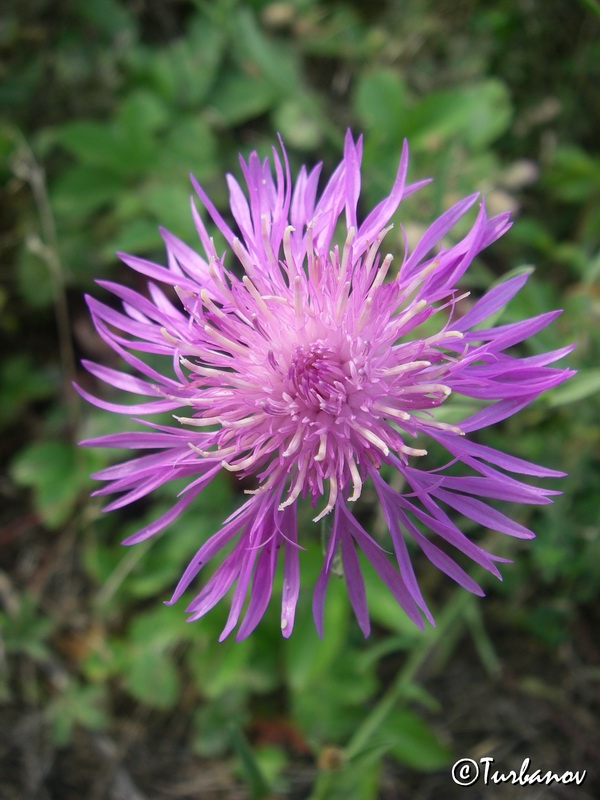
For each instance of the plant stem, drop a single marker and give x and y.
(592, 6)
(371, 724)
(414, 663)
(31, 171)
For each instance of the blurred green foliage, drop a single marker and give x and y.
(106, 107)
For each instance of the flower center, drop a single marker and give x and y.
(318, 378)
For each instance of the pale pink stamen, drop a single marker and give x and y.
(303, 366)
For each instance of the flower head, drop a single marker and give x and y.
(302, 359)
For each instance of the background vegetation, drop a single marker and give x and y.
(107, 105)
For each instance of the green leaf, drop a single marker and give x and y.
(298, 120)
(329, 709)
(581, 386)
(78, 704)
(574, 176)
(34, 278)
(220, 670)
(308, 657)
(212, 720)
(184, 72)
(169, 203)
(138, 236)
(358, 779)
(92, 143)
(26, 630)
(53, 470)
(477, 113)
(158, 628)
(275, 60)
(126, 146)
(410, 740)
(381, 104)
(152, 677)
(22, 381)
(81, 190)
(190, 146)
(107, 16)
(142, 112)
(255, 780)
(272, 760)
(238, 98)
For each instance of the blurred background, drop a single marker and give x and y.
(106, 106)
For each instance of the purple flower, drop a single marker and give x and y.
(308, 365)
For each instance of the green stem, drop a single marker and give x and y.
(28, 169)
(371, 724)
(592, 6)
(322, 785)
(258, 786)
(415, 661)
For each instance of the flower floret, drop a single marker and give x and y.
(308, 364)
